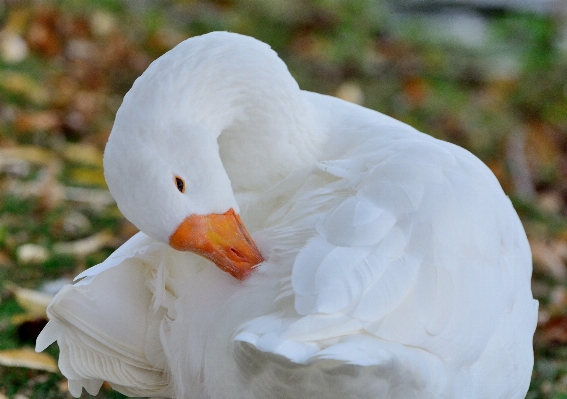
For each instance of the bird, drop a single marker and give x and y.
(356, 257)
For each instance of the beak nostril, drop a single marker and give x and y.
(234, 251)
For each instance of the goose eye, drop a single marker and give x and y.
(180, 184)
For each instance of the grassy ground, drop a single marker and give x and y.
(65, 65)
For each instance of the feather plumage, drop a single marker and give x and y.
(395, 266)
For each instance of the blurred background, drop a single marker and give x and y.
(488, 75)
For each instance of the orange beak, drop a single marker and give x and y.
(222, 239)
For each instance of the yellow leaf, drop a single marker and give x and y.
(87, 177)
(85, 154)
(17, 19)
(34, 302)
(19, 319)
(21, 84)
(31, 154)
(28, 358)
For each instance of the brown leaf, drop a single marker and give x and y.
(88, 103)
(28, 358)
(5, 260)
(42, 35)
(63, 386)
(40, 120)
(555, 330)
(498, 167)
(311, 47)
(415, 90)
(549, 257)
(543, 147)
(127, 230)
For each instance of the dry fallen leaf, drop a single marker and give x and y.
(28, 358)
(351, 92)
(13, 47)
(39, 120)
(87, 177)
(5, 260)
(103, 23)
(551, 202)
(555, 331)
(32, 254)
(75, 223)
(543, 147)
(549, 257)
(85, 154)
(24, 85)
(46, 186)
(415, 90)
(42, 34)
(17, 19)
(97, 198)
(63, 386)
(23, 318)
(85, 246)
(34, 302)
(31, 154)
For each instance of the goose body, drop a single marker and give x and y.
(394, 265)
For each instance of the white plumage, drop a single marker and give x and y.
(395, 266)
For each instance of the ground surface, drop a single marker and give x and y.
(65, 65)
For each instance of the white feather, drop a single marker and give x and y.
(395, 267)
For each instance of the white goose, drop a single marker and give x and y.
(393, 264)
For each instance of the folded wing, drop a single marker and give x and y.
(107, 329)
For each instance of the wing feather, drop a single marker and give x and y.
(102, 325)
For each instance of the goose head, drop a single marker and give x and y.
(163, 161)
(175, 190)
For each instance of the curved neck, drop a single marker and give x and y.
(270, 140)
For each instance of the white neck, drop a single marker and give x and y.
(268, 142)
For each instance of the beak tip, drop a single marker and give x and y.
(242, 271)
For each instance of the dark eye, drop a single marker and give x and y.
(180, 184)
